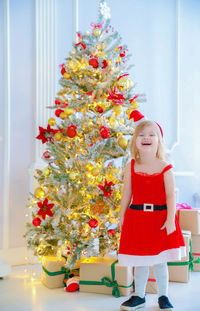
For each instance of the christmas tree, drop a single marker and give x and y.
(75, 207)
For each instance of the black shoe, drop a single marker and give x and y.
(134, 303)
(165, 304)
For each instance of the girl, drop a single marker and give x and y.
(150, 233)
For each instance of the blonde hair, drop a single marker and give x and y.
(160, 154)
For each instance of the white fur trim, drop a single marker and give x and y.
(165, 256)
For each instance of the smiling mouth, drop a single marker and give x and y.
(146, 144)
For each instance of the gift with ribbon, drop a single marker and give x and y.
(189, 218)
(151, 287)
(105, 276)
(54, 272)
(196, 252)
(179, 271)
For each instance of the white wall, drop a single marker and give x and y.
(163, 37)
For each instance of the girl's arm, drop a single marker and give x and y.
(126, 193)
(171, 202)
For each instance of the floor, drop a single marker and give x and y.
(23, 291)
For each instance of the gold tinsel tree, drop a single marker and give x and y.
(75, 208)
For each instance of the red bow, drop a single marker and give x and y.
(96, 26)
(182, 206)
(82, 44)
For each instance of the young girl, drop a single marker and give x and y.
(150, 233)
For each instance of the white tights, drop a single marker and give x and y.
(161, 275)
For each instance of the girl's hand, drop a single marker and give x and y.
(121, 222)
(169, 225)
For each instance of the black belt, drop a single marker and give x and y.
(148, 207)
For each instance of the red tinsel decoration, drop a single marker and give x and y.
(117, 98)
(46, 155)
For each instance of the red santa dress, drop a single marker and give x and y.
(142, 242)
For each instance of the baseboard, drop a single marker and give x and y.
(17, 256)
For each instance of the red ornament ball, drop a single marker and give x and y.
(93, 62)
(58, 112)
(36, 221)
(71, 131)
(99, 109)
(112, 232)
(93, 223)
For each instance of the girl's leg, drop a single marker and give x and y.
(138, 300)
(141, 277)
(161, 275)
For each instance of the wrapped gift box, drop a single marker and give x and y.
(179, 271)
(196, 252)
(105, 276)
(189, 219)
(54, 272)
(151, 287)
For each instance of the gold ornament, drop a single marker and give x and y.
(82, 191)
(105, 103)
(121, 122)
(39, 192)
(128, 112)
(89, 166)
(88, 197)
(113, 122)
(63, 115)
(46, 171)
(73, 175)
(58, 136)
(95, 171)
(118, 60)
(122, 142)
(69, 111)
(71, 64)
(135, 104)
(97, 32)
(124, 83)
(117, 109)
(100, 178)
(51, 121)
(103, 55)
(66, 76)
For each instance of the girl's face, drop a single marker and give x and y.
(147, 140)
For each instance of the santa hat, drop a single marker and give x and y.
(138, 118)
(160, 128)
(72, 284)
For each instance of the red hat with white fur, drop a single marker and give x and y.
(138, 117)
